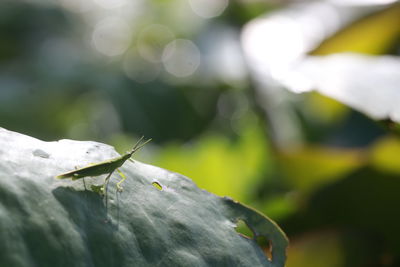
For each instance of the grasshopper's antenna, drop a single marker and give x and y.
(142, 145)
(138, 146)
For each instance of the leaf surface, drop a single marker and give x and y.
(49, 222)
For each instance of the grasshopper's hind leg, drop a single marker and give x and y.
(84, 184)
(119, 187)
(105, 188)
(106, 181)
(83, 179)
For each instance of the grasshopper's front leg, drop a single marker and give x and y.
(119, 187)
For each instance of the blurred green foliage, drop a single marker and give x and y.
(226, 167)
(63, 74)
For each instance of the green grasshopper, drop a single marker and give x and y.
(104, 167)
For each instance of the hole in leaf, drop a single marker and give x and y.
(244, 230)
(157, 185)
(265, 245)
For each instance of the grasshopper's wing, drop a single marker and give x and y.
(66, 175)
(95, 169)
(77, 173)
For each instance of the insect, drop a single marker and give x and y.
(103, 167)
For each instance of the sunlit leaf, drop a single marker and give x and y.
(374, 34)
(277, 48)
(366, 83)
